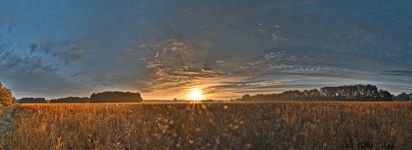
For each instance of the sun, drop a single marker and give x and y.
(195, 94)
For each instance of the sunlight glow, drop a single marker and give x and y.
(195, 94)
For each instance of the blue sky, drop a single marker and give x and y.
(226, 48)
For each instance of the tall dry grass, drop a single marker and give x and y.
(5, 119)
(283, 125)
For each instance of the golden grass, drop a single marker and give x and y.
(282, 125)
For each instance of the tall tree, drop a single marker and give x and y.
(6, 97)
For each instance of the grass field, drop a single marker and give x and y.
(281, 125)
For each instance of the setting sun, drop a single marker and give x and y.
(195, 94)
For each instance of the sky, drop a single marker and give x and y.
(225, 49)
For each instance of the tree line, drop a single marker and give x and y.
(71, 100)
(105, 97)
(340, 93)
(32, 100)
(115, 97)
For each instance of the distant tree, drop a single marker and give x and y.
(385, 95)
(340, 93)
(70, 100)
(291, 95)
(351, 93)
(246, 97)
(6, 97)
(266, 97)
(175, 99)
(207, 101)
(403, 97)
(32, 100)
(115, 97)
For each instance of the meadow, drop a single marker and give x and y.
(278, 125)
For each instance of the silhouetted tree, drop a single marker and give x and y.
(32, 100)
(340, 93)
(265, 97)
(70, 100)
(385, 95)
(207, 101)
(115, 97)
(351, 93)
(246, 97)
(403, 97)
(6, 97)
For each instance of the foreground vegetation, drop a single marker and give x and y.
(280, 125)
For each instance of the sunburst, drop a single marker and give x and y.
(195, 94)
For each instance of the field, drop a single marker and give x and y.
(278, 125)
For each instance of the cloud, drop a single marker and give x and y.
(4, 53)
(173, 63)
(33, 47)
(26, 64)
(398, 73)
(66, 50)
(79, 73)
(29, 75)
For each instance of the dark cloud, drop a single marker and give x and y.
(79, 73)
(11, 27)
(33, 47)
(398, 73)
(15, 62)
(67, 50)
(31, 76)
(112, 80)
(4, 53)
